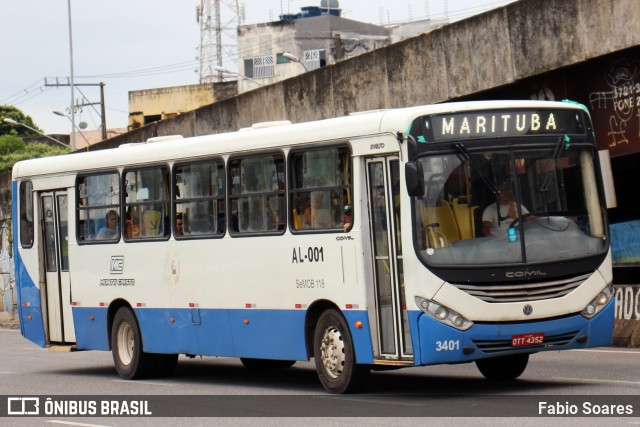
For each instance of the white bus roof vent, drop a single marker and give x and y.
(271, 124)
(164, 138)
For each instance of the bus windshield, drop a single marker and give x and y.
(514, 205)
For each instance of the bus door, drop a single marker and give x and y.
(391, 324)
(54, 218)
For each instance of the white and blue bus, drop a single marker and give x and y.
(450, 233)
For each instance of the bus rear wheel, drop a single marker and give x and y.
(126, 346)
(503, 368)
(335, 357)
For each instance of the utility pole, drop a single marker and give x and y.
(63, 81)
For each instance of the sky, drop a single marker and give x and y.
(141, 44)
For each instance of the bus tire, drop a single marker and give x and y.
(126, 346)
(260, 364)
(505, 368)
(334, 355)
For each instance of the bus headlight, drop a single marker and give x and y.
(598, 303)
(443, 314)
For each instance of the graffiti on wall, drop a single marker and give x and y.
(627, 302)
(625, 244)
(615, 105)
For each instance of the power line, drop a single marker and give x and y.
(22, 93)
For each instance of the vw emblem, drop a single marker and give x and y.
(527, 310)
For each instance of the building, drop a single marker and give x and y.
(315, 37)
(150, 105)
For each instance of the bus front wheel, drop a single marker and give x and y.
(126, 346)
(503, 368)
(335, 356)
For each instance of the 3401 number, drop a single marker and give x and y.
(450, 345)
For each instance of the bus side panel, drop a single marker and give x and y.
(361, 336)
(29, 302)
(91, 328)
(188, 331)
(269, 334)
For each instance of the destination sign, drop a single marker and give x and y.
(503, 123)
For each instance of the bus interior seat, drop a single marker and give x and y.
(152, 221)
(464, 215)
(297, 220)
(440, 224)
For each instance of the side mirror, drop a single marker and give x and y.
(414, 178)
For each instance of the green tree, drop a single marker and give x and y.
(11, 112)
(10, 144)
(13, 149)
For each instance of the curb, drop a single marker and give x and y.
(10, 325)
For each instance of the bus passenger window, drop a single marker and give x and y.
(147, 203)
(98, 200)
(26, 214)
(257, 203)
(199, 199)
(320, 188)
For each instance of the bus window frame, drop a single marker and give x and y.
(117, 207)
(22, 204)
(218, 160)
(124, 205)
(231, 197)
(291, 191)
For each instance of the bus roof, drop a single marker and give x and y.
(260, 137)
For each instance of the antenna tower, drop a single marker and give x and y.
(219, 20)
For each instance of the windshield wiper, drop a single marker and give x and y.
(556, 155)
(544, 187)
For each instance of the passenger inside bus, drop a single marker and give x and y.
(496, 221)
(347, 217)
(110, 231)
(302, 212)
(179, 225)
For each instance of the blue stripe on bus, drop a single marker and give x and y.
(29, 302)
(267, 334)
(440, 343)
(92, 332)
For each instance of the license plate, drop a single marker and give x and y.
(527, 339)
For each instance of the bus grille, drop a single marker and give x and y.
(494, 346)
(523, 291)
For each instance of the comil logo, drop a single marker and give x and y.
(23, 406)
(525, 274)
(117, 265)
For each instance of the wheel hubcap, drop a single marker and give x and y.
(332, 352)
(125, 343)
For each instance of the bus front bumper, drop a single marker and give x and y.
(440, 343)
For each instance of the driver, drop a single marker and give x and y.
(495, 222)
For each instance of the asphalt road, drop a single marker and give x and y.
(221, 391)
